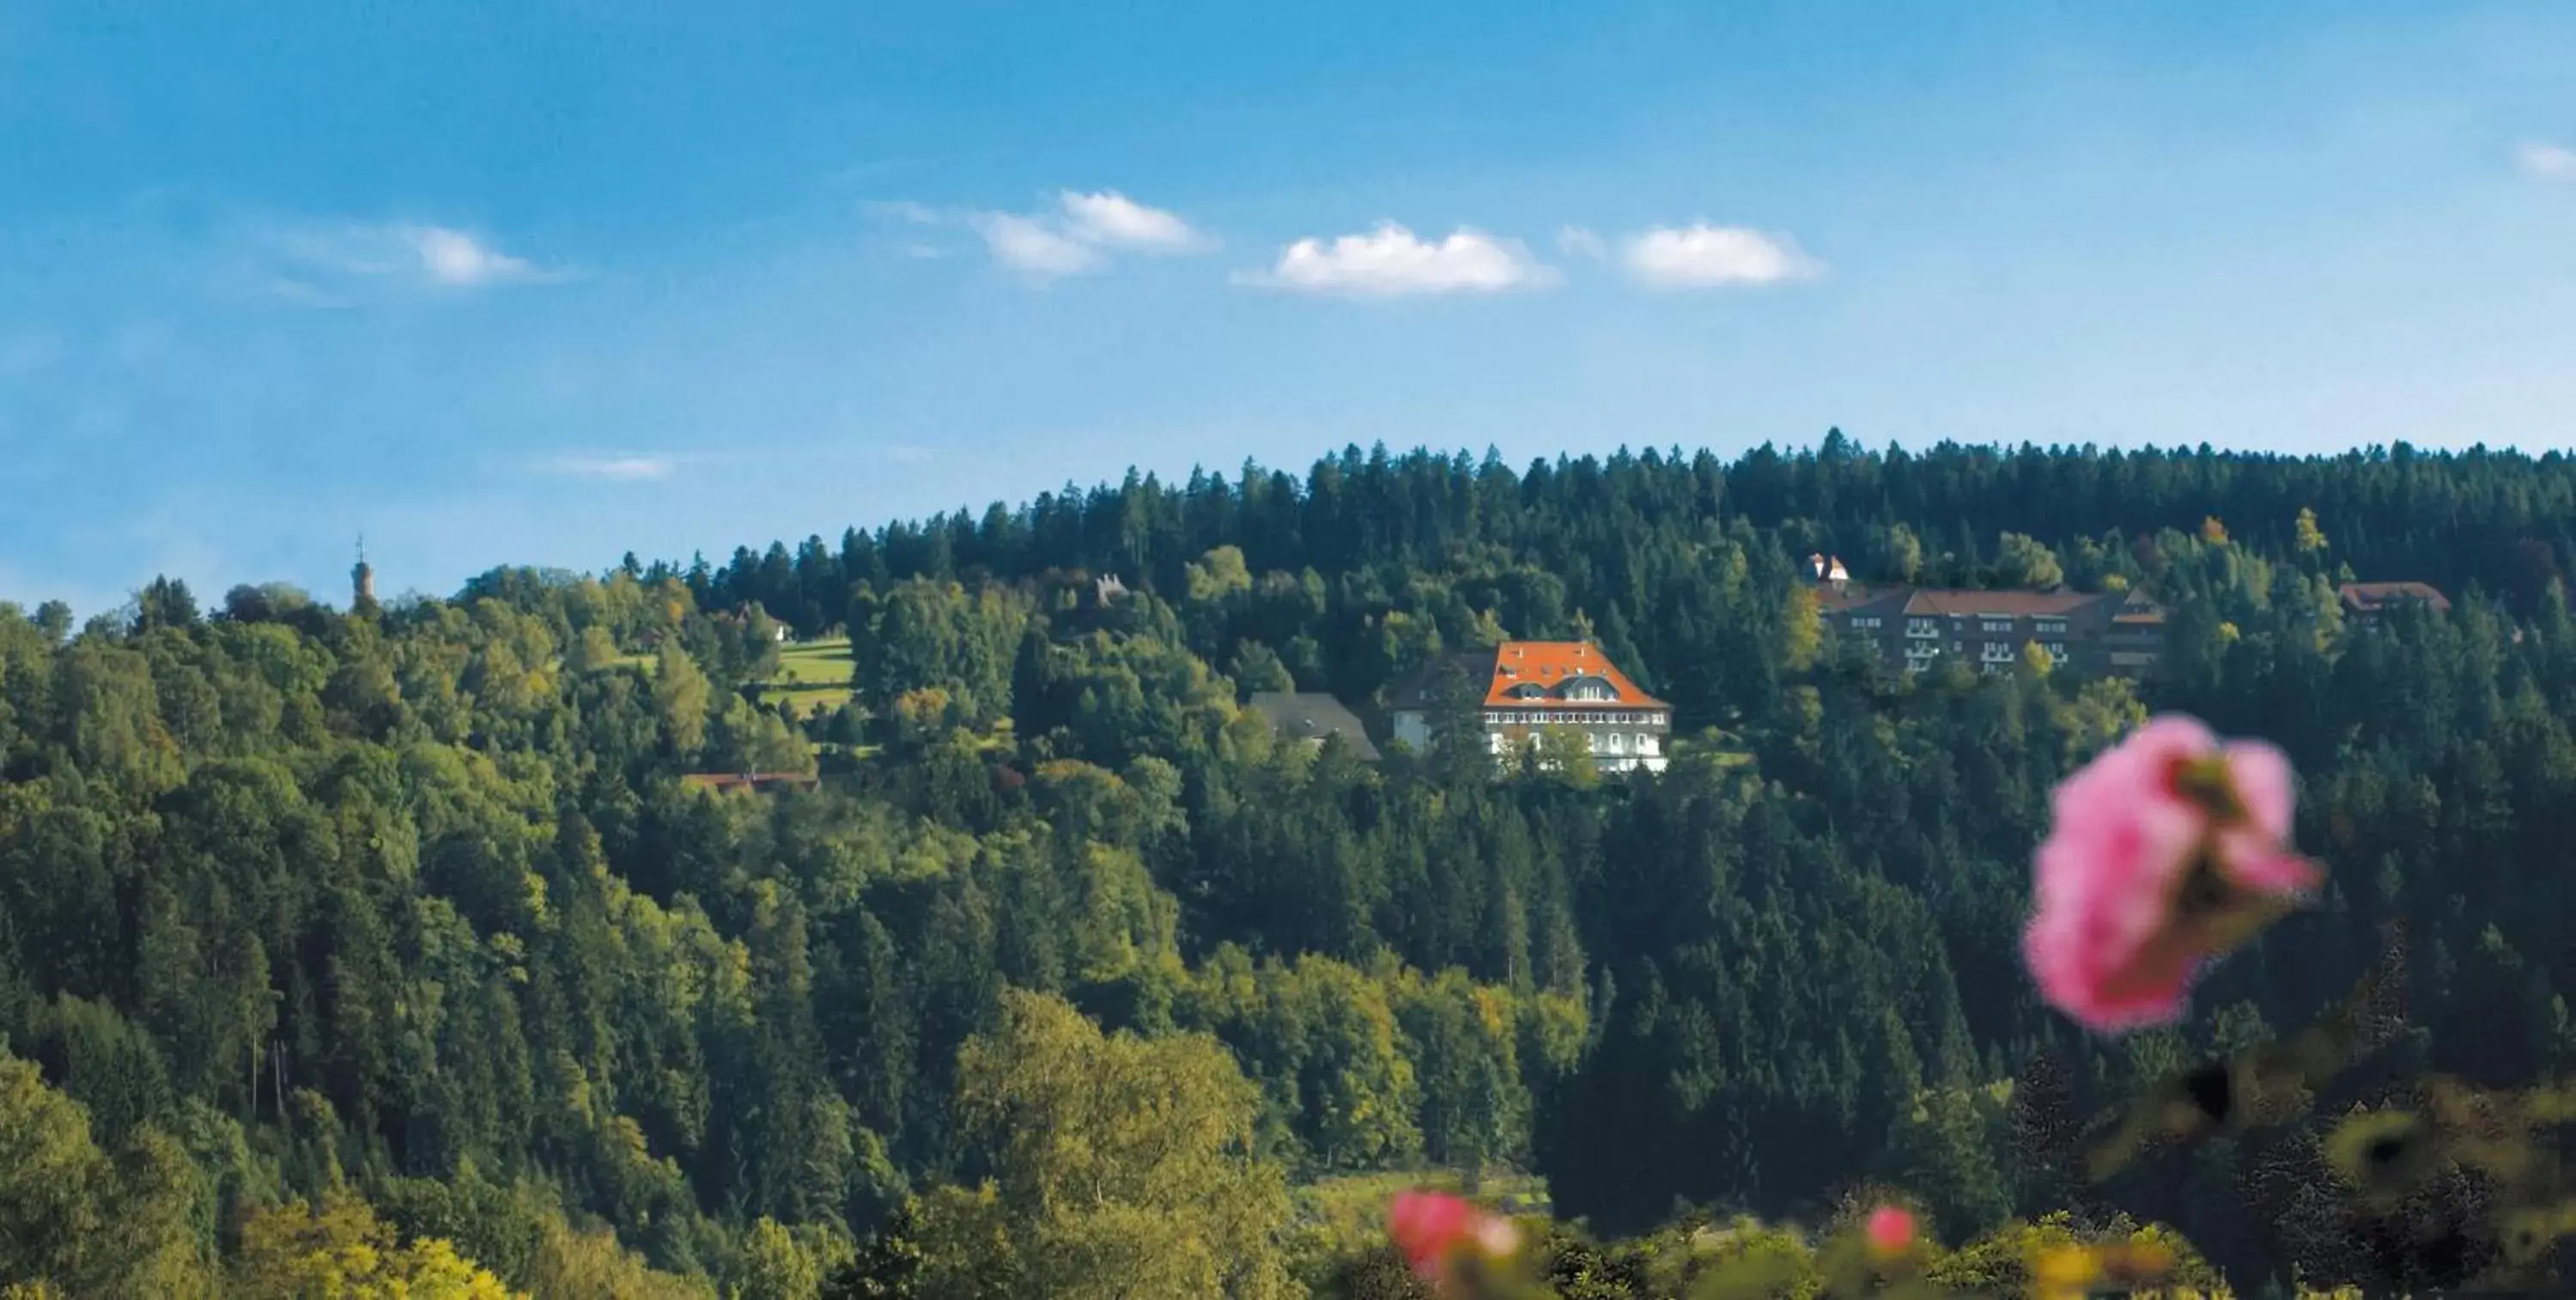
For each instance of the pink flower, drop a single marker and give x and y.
(2168, 851)
(1430, 1227)
(1890, 1230)
(1427, 1226)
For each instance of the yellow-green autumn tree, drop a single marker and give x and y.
(681, 698)
(341, 1251)
(571, 1264)
(1120, 1167)
(81, 1223)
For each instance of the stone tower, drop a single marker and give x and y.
(362, 580)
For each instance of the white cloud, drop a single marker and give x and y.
(903, 454)
(453, 257)
(1033, 247)
(1043, 246)
(1390, 262)
(1702, 256)
(1575, 241)
(433, 256)
(919, 214)
(1111, 218)
(906, 212)
(613, 469)
(2548, 162)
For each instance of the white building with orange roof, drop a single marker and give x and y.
(1530, 687)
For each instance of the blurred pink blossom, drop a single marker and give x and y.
(1890, 1230)
(1427, 1226)
(2167, 851)
(1430, 1228)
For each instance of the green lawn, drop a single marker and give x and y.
(814, 675)
(810, 663)
(1351, 1209)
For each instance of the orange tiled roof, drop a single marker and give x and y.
(1552, 664)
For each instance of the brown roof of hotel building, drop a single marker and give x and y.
(2370, 597)
(1969, 604)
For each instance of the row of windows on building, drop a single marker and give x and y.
(1928, 627)
(1569, 718)
(1615, 742)
(1990, 653)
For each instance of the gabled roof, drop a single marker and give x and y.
(1548, 665)
(1312, 715)
(2370, 597)
(2009, 604)
(1839, 597)
(1962, 603)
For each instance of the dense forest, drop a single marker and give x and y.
(387, 946)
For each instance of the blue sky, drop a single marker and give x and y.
(545, 282)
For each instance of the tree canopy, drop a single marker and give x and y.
(405, 917)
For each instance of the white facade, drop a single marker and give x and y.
(1620, 741)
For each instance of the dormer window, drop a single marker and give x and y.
(1589, 688)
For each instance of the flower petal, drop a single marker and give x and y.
(2105, 943)
(2264, 784)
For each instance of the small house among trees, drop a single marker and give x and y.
(2364, 602)
(1311, 716)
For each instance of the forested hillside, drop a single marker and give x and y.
(405, 911)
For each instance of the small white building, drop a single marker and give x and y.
(1529, 687)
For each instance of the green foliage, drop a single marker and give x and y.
(340, 1251)
(2021, 561)
(927, 634)
(77, 1219)
(1120, 1167)
(681, 697)
(411, 906)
